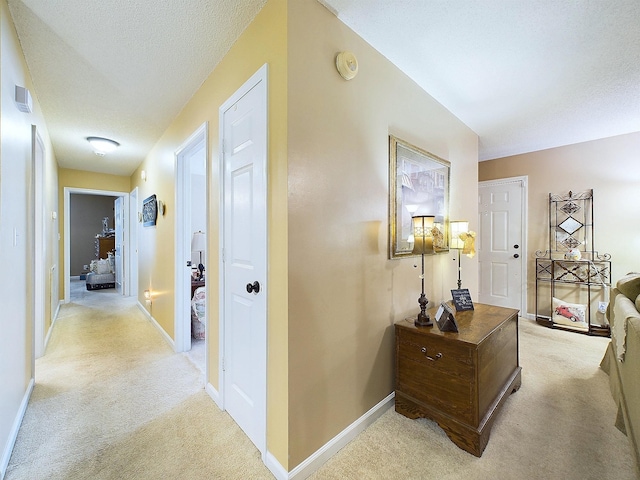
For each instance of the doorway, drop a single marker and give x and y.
(68, 191)
(502, 249)
(191, 240)
(243, 163)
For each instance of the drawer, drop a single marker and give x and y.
(451, 358)
(447, 382)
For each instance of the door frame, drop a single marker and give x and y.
(67, 230)
(523, 181)
(39, 246)
(261, 75)
(132, 280)
(182, 326)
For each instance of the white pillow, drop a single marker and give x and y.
(573, 314)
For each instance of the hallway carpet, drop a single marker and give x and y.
(112, 401)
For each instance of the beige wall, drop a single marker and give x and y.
(344, 294)
(609, 167)
(264, 41)
(17, 233)
(90, 181)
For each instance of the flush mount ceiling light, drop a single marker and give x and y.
(102, 145)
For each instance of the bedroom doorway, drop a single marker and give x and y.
(191, 248)
(90, 244)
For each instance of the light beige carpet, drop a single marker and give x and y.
(112, 401)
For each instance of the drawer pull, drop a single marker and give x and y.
(438, 355)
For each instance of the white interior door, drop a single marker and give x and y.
(244, 242)
(501, 243)
(119, 242)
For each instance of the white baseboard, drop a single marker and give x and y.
(214, 394)
(13, 435)
(153, 321)
(54, 317)
(333, 446)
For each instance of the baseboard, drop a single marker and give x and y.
(54, 317)
(214, 394)
(333, 446)
(13, 435)
(153, 321)
(274, 467)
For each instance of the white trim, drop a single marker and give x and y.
(213, 393)
(67, 229)
(13, 434)
(523, 181)
(182, 322)
(154, 322)
(38, 244)
(333, 446)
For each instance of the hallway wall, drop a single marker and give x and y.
(17, 233)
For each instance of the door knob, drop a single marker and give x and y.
(516, 246)
(516, 256)
(253, 287)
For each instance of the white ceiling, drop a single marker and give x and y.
(524, 75)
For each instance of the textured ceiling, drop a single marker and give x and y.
(121, 69)
(524, 75)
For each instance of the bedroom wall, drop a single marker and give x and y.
(344, 293)
(86, 214)
(608, 166)
(16, 233)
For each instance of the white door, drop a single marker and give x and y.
(119, 241)
(501, 243)
(244, 243)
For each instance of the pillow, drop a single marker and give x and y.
(573, 314)
(629, 285)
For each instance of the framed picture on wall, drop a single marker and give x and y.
(418, 185)
(149, 211)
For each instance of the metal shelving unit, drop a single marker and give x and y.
(560, 276)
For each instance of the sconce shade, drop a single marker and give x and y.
(457, 227)
(198, 242)
(423, 239)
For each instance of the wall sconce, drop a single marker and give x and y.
(143, 175)
(423, 243)
(161, 207)
(147, 296)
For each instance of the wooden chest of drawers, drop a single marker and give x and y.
(459, 380)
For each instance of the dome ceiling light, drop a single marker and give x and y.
(102, 145)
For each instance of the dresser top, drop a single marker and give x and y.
(473, 325)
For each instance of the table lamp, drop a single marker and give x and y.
(199, 244)
(457, 227)
(423, 243)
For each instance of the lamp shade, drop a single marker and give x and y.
(457, 227)
(423, 240)
(198, 242)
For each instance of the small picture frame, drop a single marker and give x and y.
(445, 319)
(149, 211)
(462, 299)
